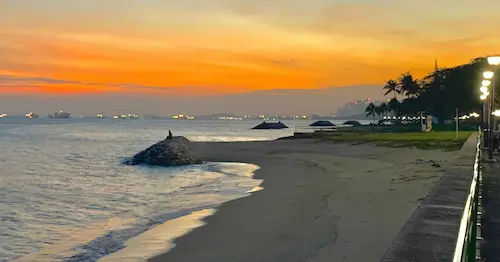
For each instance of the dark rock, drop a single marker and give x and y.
(434, 164)
(265, 125)
(173, 151)
(322, 123)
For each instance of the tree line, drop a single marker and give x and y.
(438, 93)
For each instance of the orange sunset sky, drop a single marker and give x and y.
(194, 47)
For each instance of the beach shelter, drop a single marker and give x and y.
(322, 123)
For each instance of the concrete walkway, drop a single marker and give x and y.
(490, 246)
(431, 232)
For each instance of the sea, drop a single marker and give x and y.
(66, 196)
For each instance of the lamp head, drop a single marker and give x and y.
(488, 75)
(494, 60)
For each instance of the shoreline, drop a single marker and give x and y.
(320, 202)
(160, 238)
(151, 238)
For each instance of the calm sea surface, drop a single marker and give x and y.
(64, 196)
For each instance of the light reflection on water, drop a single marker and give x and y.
(65, 196)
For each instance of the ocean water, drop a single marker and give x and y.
(65, 196)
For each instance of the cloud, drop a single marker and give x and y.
(40, 82)
(37, 80)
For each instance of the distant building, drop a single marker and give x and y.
(354, 108)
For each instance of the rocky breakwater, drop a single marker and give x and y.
(173, 151)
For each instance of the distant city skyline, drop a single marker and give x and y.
(276, 102)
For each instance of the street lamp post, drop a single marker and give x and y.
(488, 75)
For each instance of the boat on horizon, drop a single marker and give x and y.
(61, 115)
(31, 115)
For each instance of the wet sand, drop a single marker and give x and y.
(158, 239)
(321, 202)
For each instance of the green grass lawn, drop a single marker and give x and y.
(444, 140)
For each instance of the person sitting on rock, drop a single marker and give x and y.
(170, 136)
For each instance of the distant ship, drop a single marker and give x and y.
(126, 116)
(31, 115)
(100, 116)
(3, 115)
(61, 114)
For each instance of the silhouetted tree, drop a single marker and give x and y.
(440, 92)
(393, 106)
(451, 88)
(392, 87)
(411, 106)
(380, 109)
(370, 110)
(408, 86)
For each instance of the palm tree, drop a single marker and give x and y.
(384, 108)
(393, 105)
(370, 110)
(408, 85)
(391, 86)
(381, 109)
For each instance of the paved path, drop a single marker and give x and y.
(490, 246)
(431, 232)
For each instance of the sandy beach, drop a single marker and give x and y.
(322, 201)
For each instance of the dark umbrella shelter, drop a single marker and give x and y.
(352, 123)
(265, 125)
(322, 123)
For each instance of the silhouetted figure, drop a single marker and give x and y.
(170, 136)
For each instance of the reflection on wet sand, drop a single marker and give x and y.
(158, 239)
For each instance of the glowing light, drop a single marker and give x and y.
(488, 75)
(496, 113)
(482, 97)
(484, 89)
(486, 83)
(494, 60)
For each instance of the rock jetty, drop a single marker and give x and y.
(173, 151)
(266, 125)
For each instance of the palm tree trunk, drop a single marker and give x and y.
(373, 122)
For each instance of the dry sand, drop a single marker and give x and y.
(321, 202)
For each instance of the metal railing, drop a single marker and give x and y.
(466, 247)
